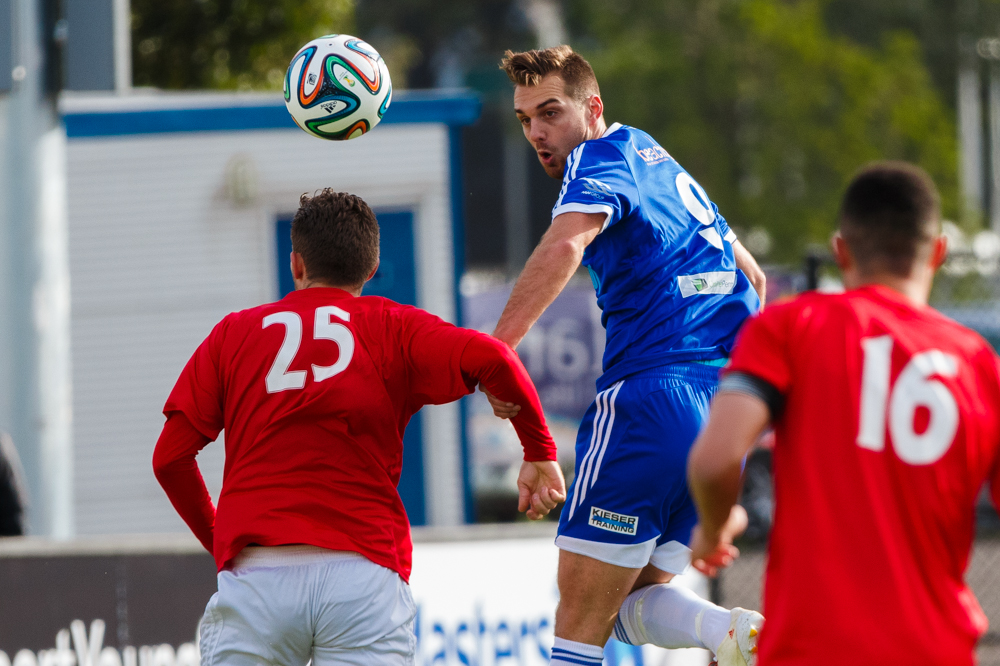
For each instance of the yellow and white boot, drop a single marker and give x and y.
(739, 647)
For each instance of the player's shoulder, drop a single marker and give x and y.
(805, 305)
(793, 317)
(612, 146)
(921, 323)
(392, 315)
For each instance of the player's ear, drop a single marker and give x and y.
(374, 270)
(939, 251)
(841, 253)
(298, 267)
(596, 108)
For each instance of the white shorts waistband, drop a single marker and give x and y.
(253, 557)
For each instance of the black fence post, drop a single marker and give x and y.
(813, 263)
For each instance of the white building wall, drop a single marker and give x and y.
(160, 251)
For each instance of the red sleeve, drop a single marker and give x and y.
(762, 348)
(489, 361)
(433, 351)
(198, 391)
(176, 470)
(991, 387)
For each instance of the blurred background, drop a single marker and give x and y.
(150, 172)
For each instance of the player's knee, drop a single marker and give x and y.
(628, 626)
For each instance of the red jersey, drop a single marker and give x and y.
(314, 392)
(890, 426)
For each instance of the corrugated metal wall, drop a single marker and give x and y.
(168, 234)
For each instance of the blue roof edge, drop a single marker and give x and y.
(451, 107)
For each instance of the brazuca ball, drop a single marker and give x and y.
(337, 87)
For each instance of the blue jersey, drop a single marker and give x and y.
(663, 265)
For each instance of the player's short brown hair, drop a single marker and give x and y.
(528, 68)
(890, 214)
(336, 234)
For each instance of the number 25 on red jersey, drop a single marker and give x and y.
(324, 328)
(914, 388)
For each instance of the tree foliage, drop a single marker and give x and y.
(769, 111)
(771, 104)
(235, 44)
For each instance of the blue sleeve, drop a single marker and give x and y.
(597, 180)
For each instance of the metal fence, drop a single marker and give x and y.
(742, 585)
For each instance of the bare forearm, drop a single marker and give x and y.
(714, 494)
(545, 275)
(489, 361)
(746, 263)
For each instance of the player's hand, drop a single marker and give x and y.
(711, 552)
(504, 410)
(540, 488)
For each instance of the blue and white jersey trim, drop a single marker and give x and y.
(572, 164)
(585, 208)
(604, 420)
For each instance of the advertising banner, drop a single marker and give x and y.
(479, 603)
(492, 603)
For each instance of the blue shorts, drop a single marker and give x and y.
(629, 503)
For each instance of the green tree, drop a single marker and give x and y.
(766, 107)
(235, 44)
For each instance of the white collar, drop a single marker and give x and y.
(614, 128)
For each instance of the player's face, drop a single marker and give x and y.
(553, 122)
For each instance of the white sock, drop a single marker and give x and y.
(571, 652)
(671, 616)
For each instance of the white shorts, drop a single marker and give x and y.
(289, 604)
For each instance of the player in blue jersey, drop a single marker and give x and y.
(674, 285)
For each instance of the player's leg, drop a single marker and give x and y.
(590, 594)
(363, 615)
(669, 615)
(610, 523)
(663, 613)
(258, 616)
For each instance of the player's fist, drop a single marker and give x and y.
(504, 410)
(711, 552)
(540, 488)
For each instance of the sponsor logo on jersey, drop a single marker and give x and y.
(603, 519)
(653, 155)
(596, 188)
(720, 282)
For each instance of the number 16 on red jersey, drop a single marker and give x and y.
(915, 387)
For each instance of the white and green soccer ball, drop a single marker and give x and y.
(337, 87)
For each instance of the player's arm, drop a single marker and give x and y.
(546, 273)
(740, 413)
(746, 263)
(494, 365)
(177, 471)
(549, 268)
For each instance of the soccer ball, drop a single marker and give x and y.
(337, 87)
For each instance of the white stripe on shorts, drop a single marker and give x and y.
(604, 446)
(598, 441)
(598, 416)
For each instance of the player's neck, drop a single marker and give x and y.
(915, 289)
(598, 130)
(306, 283)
